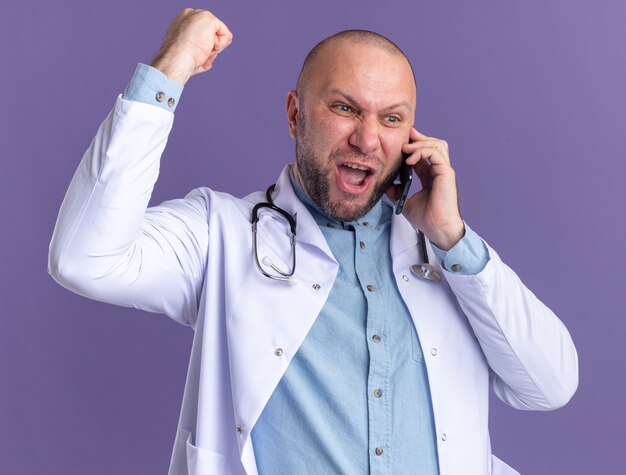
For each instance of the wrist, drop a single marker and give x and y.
(176, 70)
(446, 237)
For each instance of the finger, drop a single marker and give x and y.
(432, 155)
(223, 38)
(416, 135)
(429, 164)
(208, 64)
(440, 145)
(426, 147)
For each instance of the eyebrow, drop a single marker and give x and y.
(347, 97)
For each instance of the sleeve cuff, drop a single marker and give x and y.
(151, 86)
(469, 256)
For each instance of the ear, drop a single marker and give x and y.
(292, 106)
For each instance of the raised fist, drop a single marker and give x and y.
(191, 44)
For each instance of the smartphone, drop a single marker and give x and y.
(406, 177)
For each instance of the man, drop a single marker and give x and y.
(342, 361)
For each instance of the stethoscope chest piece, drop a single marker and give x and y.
(425, 271)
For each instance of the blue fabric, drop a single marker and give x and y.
(325, 416)
(469, 255)
(148, 82)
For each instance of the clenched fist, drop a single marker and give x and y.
(192, 42)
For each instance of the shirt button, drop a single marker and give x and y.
(444, 437)
(278, 352)
(365, 223)
(317, 286)
(171, 101)
(160, 96)
(371, 288)
(376, 339)
(456, 268)
(433, 351)
(330, 225)
(378, 393)
(405, 277)
(239, 430)
(378, 450)
(362, 245)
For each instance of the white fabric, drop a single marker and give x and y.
(192, 260)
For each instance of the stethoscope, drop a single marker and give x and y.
(424, 270)
(269, 204)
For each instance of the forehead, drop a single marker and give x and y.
(373, 73)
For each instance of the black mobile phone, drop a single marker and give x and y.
(406, 177)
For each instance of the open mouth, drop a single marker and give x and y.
(354, 178)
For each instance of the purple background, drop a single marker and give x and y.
(530, 96)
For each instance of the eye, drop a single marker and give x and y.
(343, 108)
(392, 119)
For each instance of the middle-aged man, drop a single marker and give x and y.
(353, 364)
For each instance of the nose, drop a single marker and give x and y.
(365, 137)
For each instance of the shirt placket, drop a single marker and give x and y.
(377, 341)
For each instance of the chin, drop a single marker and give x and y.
(344, 210)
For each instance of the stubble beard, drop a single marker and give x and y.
(316, 175)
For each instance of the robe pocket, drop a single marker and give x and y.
(498, 467)
(201, 461)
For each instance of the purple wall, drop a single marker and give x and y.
(530, 95)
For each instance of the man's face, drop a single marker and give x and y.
(355, 111)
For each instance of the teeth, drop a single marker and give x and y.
(356, 167)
